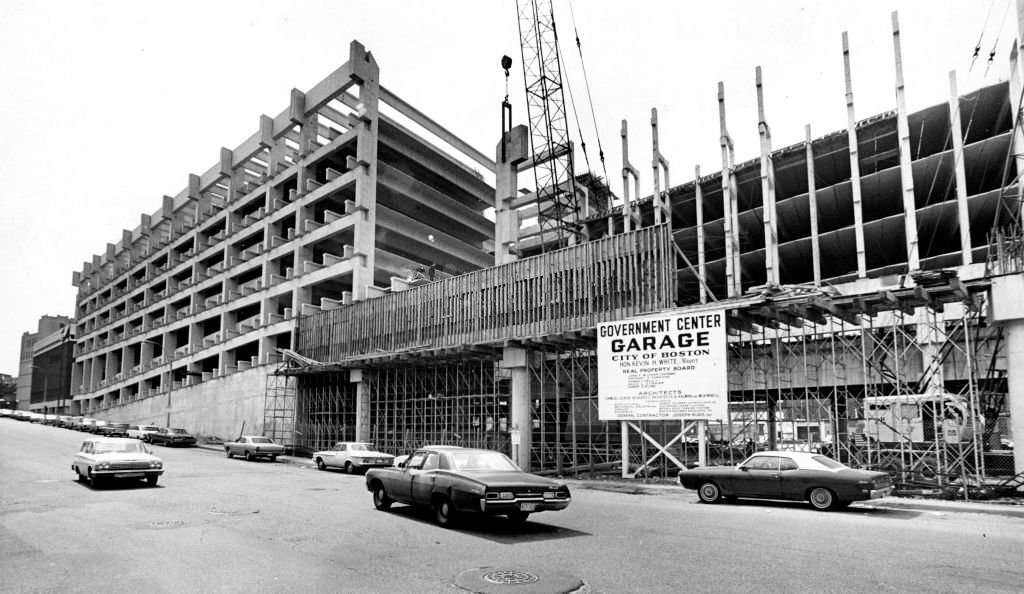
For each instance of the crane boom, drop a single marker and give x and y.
(557, 208)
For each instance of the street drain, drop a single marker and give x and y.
(510, 576)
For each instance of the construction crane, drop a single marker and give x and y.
(557, 208)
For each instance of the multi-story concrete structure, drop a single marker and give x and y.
(856, 265)
(335, 199)
(45, 364)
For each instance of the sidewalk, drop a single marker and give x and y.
(1006, 507)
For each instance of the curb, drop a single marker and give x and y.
(1011, 508)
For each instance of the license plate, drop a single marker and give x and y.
(129, 474)
(527, 507)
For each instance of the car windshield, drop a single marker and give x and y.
(127, 446)
(261, 440)
(358, 447)
(149, 428)
(481, 461)
(178, 431)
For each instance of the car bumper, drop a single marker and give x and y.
(878, 493)
(505, 506)
(128, 473)
(368, 465)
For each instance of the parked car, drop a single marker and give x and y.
(352, 456)
(143, 431)
(172, 436)
(114, 430)
(454, 481)
(103, 458)
(87, 425)
(252, 447)
(97, 426)
(796, 476)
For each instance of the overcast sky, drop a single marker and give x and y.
(106, 106)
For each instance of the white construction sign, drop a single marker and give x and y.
(669, 366)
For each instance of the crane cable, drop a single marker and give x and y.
(977, 46)
(590, 99)
(992, 54)
(572, 102)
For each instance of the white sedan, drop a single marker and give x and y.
(352, 456)
(103, 458)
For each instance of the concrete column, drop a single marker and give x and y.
(851, 133)
(906, 163)
(627, 171)
(1016, 87)
(366, 72)
(659, 165)
(517, 361)
(363, 426)
(956, 132)
(515, 146)
(701, 259)
(1007, 308)
(733, 275)
(769, 219)
(812, 205)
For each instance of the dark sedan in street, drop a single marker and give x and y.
(172, 436)
(454, 481)
(794, 476)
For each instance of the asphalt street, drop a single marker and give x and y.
(215, 524)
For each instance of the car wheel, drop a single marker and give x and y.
(248, 456)
(518, 517)
(348, 468)
(95, 481)
(273, 458)
(228, 452)
(444, 512)
(320, 464)
(152, 479)
(381, 500)
(821, 498)
(709, 492)
(81, 477)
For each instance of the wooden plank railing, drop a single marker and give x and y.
(571, 289)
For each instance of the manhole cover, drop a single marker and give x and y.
(510, 576)
(500, 580)
(166, 523)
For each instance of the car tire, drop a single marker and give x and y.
(248, 455)
(381, 500)
(709, 492)
(273, 458)
(227, 451)
(348, 467)
(821, 499)
(95, 481)
(320, 464)
(81, 477)
(444, 512)
(152, 479)
(518, 517)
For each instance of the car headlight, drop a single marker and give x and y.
(507, 495)
(103, 466)
(156, 464)
(549, 494)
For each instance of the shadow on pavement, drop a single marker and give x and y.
(495, 528)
